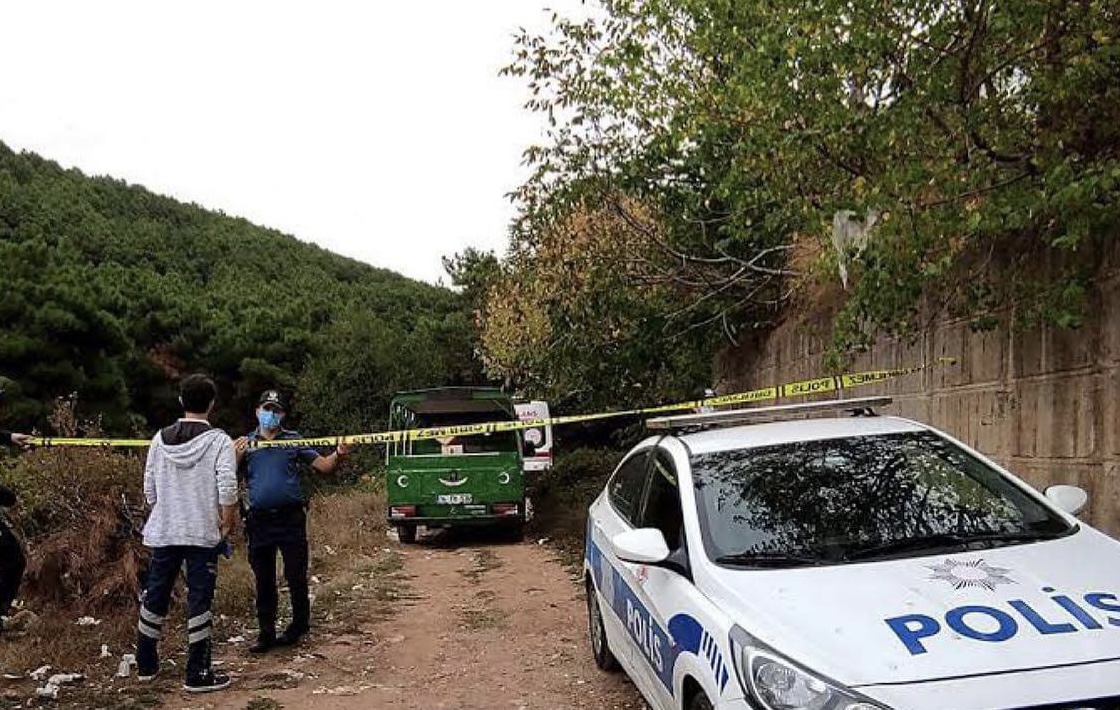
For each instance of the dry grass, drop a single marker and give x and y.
(347, 537)
(81, 512)
(482, 561)
(481, 613)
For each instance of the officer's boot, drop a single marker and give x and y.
(267, 637)
(301, 619)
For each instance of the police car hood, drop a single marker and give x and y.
(1000, 610)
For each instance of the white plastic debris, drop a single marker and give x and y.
(88, 621)
(40, 673)
(236, 639)
(50, 690)
(329, 549)
(124, 669)
(315, 579)
(105, 651)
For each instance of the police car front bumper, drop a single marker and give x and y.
(1089, 686)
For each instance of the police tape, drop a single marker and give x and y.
(818, 385)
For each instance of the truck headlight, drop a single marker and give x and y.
(774, 682)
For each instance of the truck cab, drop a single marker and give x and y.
(453, 481)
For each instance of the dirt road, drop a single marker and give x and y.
(476, 625)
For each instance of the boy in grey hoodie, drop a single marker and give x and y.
(190, 483)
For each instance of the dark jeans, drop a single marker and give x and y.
(201, 565)
(282, 531)
(12, 563)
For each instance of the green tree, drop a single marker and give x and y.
(113, 293)
(580, 319)
(963, 130)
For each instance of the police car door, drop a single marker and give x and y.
(610, 515)
(661, 591)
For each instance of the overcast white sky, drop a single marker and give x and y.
(379, 130)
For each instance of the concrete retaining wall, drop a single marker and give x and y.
(1044, 403)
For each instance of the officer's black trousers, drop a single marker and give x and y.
(281, 531)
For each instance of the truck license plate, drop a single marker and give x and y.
(453, 498)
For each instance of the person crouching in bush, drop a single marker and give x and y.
(190, 483)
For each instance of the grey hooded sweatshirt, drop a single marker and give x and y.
(185, 483)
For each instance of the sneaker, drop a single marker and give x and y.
(214, 680)
(145, 676)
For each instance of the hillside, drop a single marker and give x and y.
(112, 292)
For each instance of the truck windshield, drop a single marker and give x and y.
(497, 442)
(859, 498)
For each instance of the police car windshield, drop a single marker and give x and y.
(863, 498)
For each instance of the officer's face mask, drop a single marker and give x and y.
(267, 419)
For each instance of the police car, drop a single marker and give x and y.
(743, 560)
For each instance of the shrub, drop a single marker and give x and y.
(80, 511)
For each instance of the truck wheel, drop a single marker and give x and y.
(516, 533)
(407, 534)
(600, 648)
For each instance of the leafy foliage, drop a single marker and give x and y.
(577, 320)
(113, 293)
(981, 136)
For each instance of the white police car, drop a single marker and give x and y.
(846, 563)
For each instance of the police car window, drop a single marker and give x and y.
(625, 490)
(662, 508)
(859, 498)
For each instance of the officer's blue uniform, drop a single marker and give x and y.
(276, 521)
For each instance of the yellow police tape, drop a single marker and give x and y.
(819, 385)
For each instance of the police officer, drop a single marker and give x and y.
(276, 517)
(12, 560)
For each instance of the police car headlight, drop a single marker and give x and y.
(777, 683)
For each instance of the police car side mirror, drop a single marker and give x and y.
(1070, 499)
(644, 546)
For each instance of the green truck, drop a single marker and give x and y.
(473, 480)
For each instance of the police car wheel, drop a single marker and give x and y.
(600, 648)
(700, 702)
(406, 533)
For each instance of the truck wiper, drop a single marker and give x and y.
(769, 559)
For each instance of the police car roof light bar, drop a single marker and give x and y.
(859, 407)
